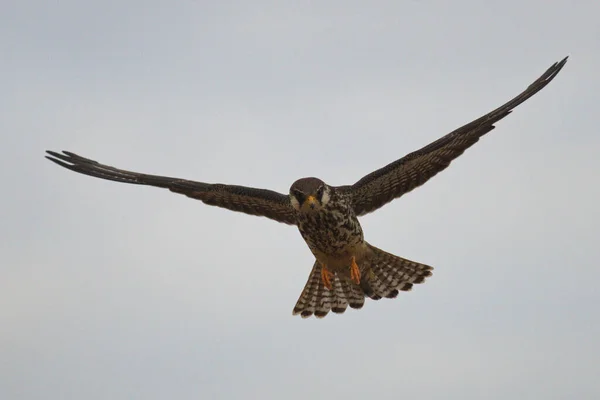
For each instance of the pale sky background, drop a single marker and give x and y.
(109, 291)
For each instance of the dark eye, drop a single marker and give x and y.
(320, 191)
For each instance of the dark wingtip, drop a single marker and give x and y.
(555, 69)
(53, 156)
(60, 159)
(70, 157)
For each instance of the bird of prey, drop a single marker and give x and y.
(347, 268)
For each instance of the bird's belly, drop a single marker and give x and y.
(329, 236)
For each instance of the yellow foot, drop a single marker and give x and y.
(326, 276)
(354, 271)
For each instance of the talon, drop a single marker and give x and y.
(326, 276)
(354, 271)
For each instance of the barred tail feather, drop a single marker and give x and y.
(388, 274)
(382, 275)
(318, 300)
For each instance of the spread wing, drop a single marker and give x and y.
(414, 169)
(261, 202)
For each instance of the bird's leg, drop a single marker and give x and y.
(354, 271)
(326, 276)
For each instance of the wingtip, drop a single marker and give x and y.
(57, 159)
(563, 61)
(52, 155)
(56, 154)
(552, 72)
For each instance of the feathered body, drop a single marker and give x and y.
(347, 268)
(330, 228)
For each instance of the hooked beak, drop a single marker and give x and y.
(311, 201)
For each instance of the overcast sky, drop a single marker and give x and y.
(110, 291)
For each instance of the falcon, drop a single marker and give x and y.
(347, 268)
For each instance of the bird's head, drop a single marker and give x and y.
(309, 194)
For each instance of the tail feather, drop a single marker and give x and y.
(314, 289)
(352, 295)
(388, 274)
(318, 300)
(383, 275)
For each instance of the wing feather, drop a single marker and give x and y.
(261, 202)
(403, 175)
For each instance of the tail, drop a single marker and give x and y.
(318, 300)
(388, 274)
(382, 275)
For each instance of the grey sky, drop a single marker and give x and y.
(111, 291)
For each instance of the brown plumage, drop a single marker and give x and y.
(347, 268)
(262, 202)
(384, 275)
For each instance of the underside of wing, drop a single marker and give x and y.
(413, 170)
(261, 202)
